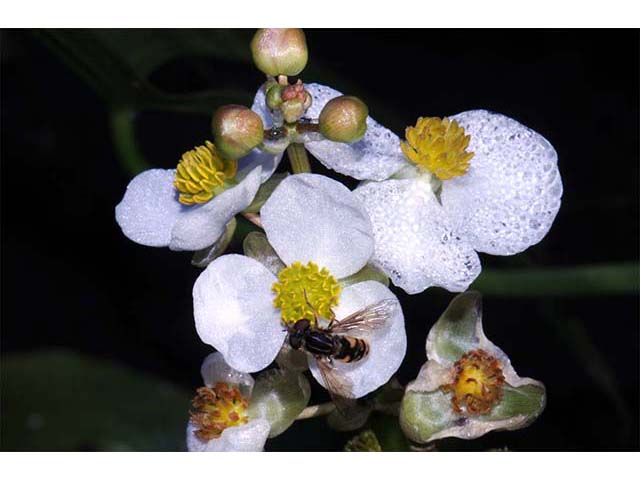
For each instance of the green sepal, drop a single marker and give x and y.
(456, 331)
(528, 399)
(279, 396)
(204, 257)
(257, 246)
(368, 272)
(423, 414)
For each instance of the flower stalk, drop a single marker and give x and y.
(298, 158)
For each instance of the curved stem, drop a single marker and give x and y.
(316, 411)
(298, 158)
(121, 121)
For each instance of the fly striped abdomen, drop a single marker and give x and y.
(350, 349)
(318, 342)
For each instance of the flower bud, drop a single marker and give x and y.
(292, 110)
(274, 96)
(344, 119)
(236, 130)
(279, 51)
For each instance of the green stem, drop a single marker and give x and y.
(608, 279)
(124, 138)
(298, 158)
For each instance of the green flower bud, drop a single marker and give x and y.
(236, 130)
(292, 110)
(279, 51)
(344, 119)
(274, 96)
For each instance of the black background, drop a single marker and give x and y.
(71, 279)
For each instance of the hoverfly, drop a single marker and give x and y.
(339, 342)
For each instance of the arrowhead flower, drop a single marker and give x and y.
(232, 412)
(318, 236)
(188, 208)
(475, 182)
(468, 386)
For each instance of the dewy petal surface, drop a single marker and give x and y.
(214, 369)
(234, 313)
(150, 208)
(387, 345)
(415, 243)
(267, 161)
(314, 218)
(376, 156)
(200, 226)
(260, 107)
(250, 437)
(511, 194)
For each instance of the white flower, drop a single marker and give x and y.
(234, 413)
(375, 157)
(468, 386)
(233, 429)
(152, 214)
(321, 233)
(428, 225)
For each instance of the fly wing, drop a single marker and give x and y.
(367, 319)
(338, 386)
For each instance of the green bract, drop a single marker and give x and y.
(427, 411)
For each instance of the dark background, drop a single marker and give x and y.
(99, 349)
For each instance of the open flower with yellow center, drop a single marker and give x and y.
(474, 182)
(468, 386)
(188, 208)
(232, 412)
(318, 237)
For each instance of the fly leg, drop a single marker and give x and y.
(316, 316)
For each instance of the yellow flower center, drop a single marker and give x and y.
(439, 146)
(202, 173)
(218, 408)
(477, 386)
(303, 290)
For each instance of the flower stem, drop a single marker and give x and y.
(124, 138)
(298, 158)
(316, 411)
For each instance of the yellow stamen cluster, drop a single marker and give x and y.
(302, 290)
(477, 387)
(439, 146)
(216, 409)
(201, 173)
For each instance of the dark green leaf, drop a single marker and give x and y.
(60, 400)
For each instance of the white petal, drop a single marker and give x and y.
(267, 161)
(214, 369)
(234, 313)
(416, 245)
(202, 225)
(250, 437)
(387, 344)
(376, 156)
(511, 194)
(150, 208)
(260, 107)
(314, 218)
